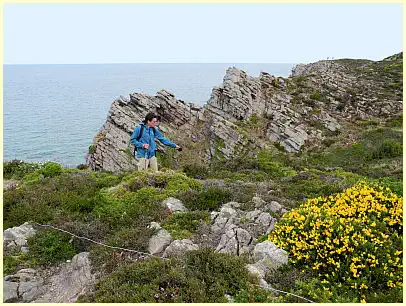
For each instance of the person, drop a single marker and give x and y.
(145, 143)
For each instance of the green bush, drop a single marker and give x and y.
(49, 247)
(51, 169)
(316, 96)
(204, 276)
(92, 149)
(105, 179)
(209, 200)
(107, 260)
(389, 148)
(32, 178)
(16, 261)
(196, 171)
(40, 202)
(27, 204)
(122, 207)
(183, 225)
(17, 169)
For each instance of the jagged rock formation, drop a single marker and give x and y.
(247, 113)
(64, 284)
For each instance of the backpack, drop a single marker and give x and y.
(139, 137)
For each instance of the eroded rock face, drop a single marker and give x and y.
(295, 112)
(62, 284)
(72, 280)
(111, 146)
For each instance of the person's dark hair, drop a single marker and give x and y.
(149, 117)
(158, 117)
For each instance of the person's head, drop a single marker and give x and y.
(158, 120)
(150, 119)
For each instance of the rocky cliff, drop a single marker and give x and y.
(245, 114)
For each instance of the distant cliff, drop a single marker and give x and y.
(245, 114)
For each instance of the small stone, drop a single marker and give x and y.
(273, 206)
(258, 202)
(180, 247)
(10, 291)
(159, 242)
(174, 205)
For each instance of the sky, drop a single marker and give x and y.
(199, 33)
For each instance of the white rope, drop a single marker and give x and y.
(109, 246)
(273, 289)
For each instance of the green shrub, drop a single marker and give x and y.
(32, 178)
(17, 261)
(122, 207)
(24, 205)
(107, 260)
(183, 225)
(40, 202)
(255, 294)
(17, 169)
(10, 264)
(49, 247)
(209, 200)
(309, 187)
(92, 149)
(204, 276)
(316, 96)
(196, 171)
(105, 179)
(51, 169)
(275, 164)
(389, 148)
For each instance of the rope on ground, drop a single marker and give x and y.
(300, 297)
(147, 254)
(100, 243)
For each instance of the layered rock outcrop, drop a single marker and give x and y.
(247, 113)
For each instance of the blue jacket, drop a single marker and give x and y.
(149, 138)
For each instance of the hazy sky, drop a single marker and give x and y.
(200, 33)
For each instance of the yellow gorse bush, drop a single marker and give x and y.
(353, 238)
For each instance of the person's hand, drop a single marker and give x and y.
(145, 146)
(178, 148)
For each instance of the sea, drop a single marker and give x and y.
(52, 112)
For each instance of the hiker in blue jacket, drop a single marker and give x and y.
(143, 138)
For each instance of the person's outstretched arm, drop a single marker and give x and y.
(164, 140)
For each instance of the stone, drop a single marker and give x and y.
(30, 290)
(258, 202)
(273, 206)
(10, 291)
(252, 268)
(269, 255)
(233, 205)
(69, 282)
(253, 215)
(155, 225)
(16, 237)
(265, 219)
(180, 247)
(174, 205)
(159, 242)
(235, 241)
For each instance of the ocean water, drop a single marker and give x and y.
(52, 112)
